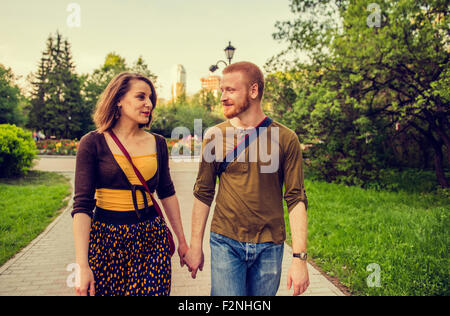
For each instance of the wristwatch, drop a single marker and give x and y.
(302, 255)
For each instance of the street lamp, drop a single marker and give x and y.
(229, 53)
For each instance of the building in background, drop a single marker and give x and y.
(212, 83)
(178, 87)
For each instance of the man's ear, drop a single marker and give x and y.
(254, 91)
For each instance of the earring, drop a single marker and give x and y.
(117, 115)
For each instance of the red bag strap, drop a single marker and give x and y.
(138, 174)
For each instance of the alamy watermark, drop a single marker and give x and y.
(73, 280)
(264, 149)
(374, 19)
(74, 18)
(374, 279)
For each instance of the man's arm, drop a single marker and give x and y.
(204, 191)
(298, 272)
(194, 257)
(296, 200)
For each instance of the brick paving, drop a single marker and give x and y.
(41, 268)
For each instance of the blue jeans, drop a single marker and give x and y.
(244, 269)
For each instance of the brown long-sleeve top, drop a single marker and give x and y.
(96, 168)
(249, 203)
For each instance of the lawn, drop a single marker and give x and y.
(404, 231)
(27, 206)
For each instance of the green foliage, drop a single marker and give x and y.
(363, 87)
(56, 104)
(184, 111)
(17, 151)
(10, 99)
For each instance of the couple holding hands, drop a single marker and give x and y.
(122, 243)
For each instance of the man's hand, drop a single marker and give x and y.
(195, 260)
(298, 276)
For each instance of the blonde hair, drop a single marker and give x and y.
(105, 115)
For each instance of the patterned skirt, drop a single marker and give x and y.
(128, 255)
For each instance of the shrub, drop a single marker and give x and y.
(17, 150)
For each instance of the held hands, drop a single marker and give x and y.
(182, 250)
(298, 276)
(194, 259)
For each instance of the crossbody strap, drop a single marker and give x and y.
(138, 174)
(233, 154)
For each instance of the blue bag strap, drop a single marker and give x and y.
(233, 154)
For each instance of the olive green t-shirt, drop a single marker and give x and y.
(249, 203)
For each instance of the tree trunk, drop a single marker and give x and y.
(439, 167)
(446, 141)
(438, 156)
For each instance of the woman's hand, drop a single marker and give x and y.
(87, 283)
(182, 250)
(195, 260)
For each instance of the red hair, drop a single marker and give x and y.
(251, 72)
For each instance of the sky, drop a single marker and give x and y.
(193, 33)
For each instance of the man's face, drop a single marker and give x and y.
(235, 94)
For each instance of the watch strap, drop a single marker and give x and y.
(302, 255)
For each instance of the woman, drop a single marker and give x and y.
(122, 248)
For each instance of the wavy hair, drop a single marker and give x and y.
(106, 111)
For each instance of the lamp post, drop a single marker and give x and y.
(229, 53)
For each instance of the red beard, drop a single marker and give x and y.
(237, 109)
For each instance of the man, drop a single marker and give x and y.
(248, 230)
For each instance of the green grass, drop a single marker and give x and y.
(403, 230)
(27, 206)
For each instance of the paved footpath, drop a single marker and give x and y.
(42, 267)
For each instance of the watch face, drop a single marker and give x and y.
(301, 256)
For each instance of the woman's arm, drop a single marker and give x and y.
(81, 232)
(169, 200)
(172, 210)
(84, 203)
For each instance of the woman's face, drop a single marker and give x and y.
(136, 104)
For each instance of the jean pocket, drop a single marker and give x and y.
(271, 252)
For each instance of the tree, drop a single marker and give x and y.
(373, 78)
(38, 83)
(10, 99)
(206, 99)
(56, 99)
(141, 67)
